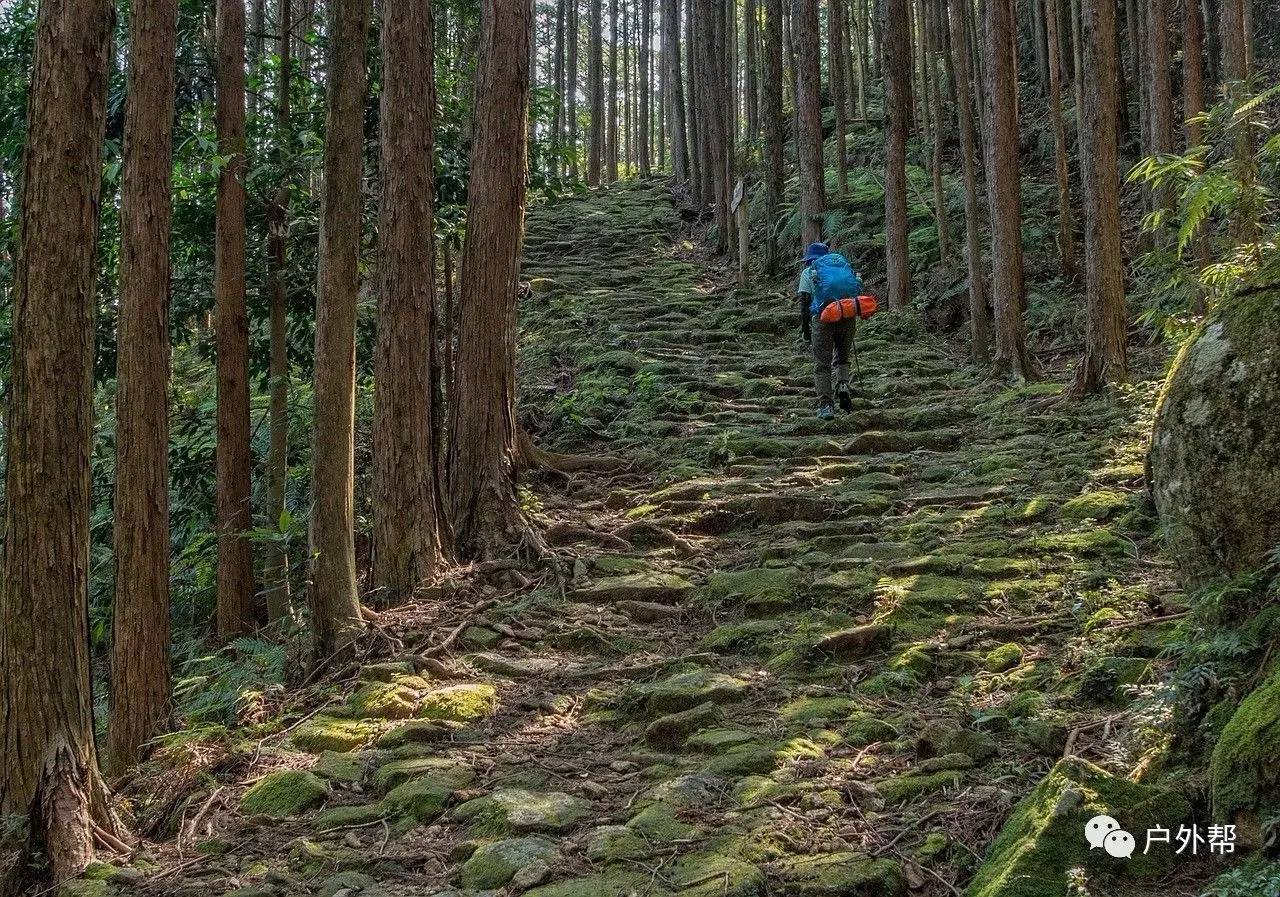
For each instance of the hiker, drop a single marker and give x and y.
(830, 342)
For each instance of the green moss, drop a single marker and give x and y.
(1044, 838)
(813, 709)
(382, 700)
(615, 842)
(517, 811)
(717, 740)
(866, 728)
(847, 874)
(764, 585)
(685, 690)
(341, 817)
(614, 883)
(658, 823)
(326, 733)
(1005, 657)
(1245, 767)
(285, 793)
(461, 703)
(1100, 505)
(671, 730)
(492, 865)
(904, 788)
(339, 767)
(733, 637)
(1090, 543)
(717, 875)
(419, 800)
(443, 770)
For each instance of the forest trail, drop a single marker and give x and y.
(792, 657)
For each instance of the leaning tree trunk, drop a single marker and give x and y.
(813, 201)
(234, 461)
(897, 104)
(335, 605)
(140, 610)
(407, 508)
(1104, 360)
(48, 764)
(1003, 197)
(773, 128)
(275, 562)
(483, 449)
(979, 315)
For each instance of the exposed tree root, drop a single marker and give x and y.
(534, 458)
(648, 532)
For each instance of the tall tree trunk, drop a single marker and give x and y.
(673, 89)
(773, 128)
(979, 315)
(646, 86)
(863, 57)
(1003, 196)
(408, 510)
(572, 75)
(933, 79)
(813, 201)
(692, 61)
(628, 134)
(1039, 40)
(234, 516)
(1193, 96)
(335, 604)
(483, 448)
(1160, 88)
(595, 90)
(1104, 360)
(48, 764)
(557, 119)
(896, 66)
(611, 136)
(275, 561)
(751, 44)
(1066, 239)
(713, 118)
(836, 75)
(140, 688)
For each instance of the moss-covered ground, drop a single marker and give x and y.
(781, 656)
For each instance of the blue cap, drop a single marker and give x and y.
(816, 251)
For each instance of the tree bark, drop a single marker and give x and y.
(335, 605)
(408, 510)
(595, 90)
(1193, 96)
(933, 80)
(48, 763)
(1003, 195)
(773, 128)
(813, 201)
(751, 65)
(1233, 40)
(234, 461)
(674, 89)
(1104, 360)
(557, 119)
(979, 315)
(645, 88)
(692, 61)
(1066, 239)
(896, 65)
(836, 75)
(483, 456)
(140, 689)
(1160, 88)
(275, 564)
(611, 128)
(574, 22)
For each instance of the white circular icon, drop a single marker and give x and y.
(1119, 844)
(1097, 829)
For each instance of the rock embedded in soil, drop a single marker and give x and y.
(846, 874)
(671, 730)
(285, 793)
(494, 864)
(684, 691)
(326, 733)
(654, 587)
(853, 643)
(519, 811)
(459, 703)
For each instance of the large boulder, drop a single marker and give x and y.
(1244, 770)
(1214, 450)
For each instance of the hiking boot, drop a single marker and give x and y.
(826, 412)
(844, 398)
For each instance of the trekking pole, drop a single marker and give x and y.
(853, 344)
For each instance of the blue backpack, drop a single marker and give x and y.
(833, 279)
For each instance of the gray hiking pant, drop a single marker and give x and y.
(831, 344)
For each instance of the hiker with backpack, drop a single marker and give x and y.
(830, 304)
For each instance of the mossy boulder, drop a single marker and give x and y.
(284, 793)
(615, 842)
(1044, 838)
(352, 815)
(440, 769)
(717, 875)
(613, 883)
(901, 789)
(518, 811)
(846, 874)
(1245, 768)
(493, 865)
(684, 691)
(382, 700)
(671, 730)
(418, 800)
(1216, 439)
(759, 589)
(1003, 658)
(648, 586)
(327, 733)
(1100, 505)
(460, 703)
(347, 768)
(659, 824)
